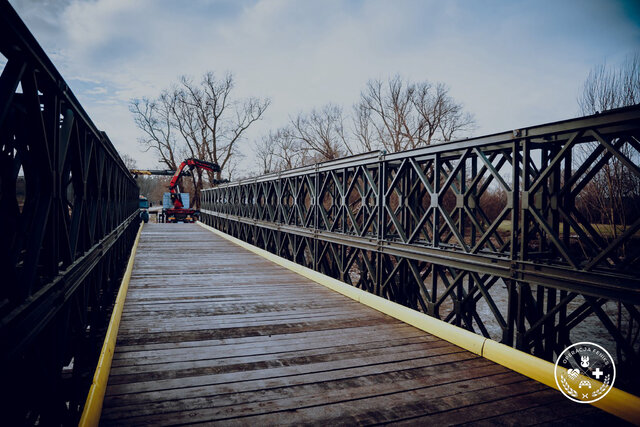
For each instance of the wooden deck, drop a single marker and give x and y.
(213, 333)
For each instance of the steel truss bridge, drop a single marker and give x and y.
(65, 243)
(494, 234)
(412, 227)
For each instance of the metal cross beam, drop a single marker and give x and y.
(520, 236)
(68, 218)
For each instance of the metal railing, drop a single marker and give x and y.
(496, 234)
(68, 218)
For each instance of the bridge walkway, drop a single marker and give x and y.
(214, 333)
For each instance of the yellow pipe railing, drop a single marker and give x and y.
(95, 398)
(616, 402)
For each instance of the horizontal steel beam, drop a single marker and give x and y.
(26, 321)
(609, 285)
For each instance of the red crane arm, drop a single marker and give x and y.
(192, 163)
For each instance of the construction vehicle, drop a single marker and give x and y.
(165, 172)
(177, 211)
(171, 214)
(180, 212)
(144, 203)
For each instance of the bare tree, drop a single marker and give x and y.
(281, 150)
(289, 152)
(363, 130)
(395, 116)
(233, 170)
(199, 120)
(606, 88)
(129, 161)
(321, 133)
(440, 117)
(210, 120)
(399, 115)
(153, 117)
(613, 194)
(388, 109)
(611, 199)
(265, 155)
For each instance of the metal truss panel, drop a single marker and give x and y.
(68, 220)
(495, 234)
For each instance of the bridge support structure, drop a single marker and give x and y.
(495, 234)
(68, 218)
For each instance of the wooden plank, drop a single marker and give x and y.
(243, 365)
(269, 380)
(212, 333)
(311, 393)
(412, 360)
(205, 322)
(287, 356)
(381, 330)
(270, 329)
(317, 334)
(355, 405)
(275, 347)
(557, 411)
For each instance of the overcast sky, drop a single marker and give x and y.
(510, 63)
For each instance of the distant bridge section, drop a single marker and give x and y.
(415, 227)
(68, 218)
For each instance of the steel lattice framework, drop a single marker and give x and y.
(68, 219)
(414, 227)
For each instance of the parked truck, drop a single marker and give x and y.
(184, 214)
(176, 204)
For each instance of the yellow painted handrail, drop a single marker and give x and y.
(95, 398)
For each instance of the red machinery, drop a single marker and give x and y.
(178, 212)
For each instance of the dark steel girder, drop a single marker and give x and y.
(26, 321)
(68, 221)
(609, 285)
(445, 227)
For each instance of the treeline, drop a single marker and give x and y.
(198, 120)
(393, 115)
(202, 119)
